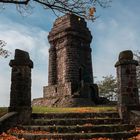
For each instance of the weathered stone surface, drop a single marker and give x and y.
(128, 98)
(77, 126)
(126, 55)
(8, 120)
(135, 117)
(70, 63)
(70, 51)
(20, 95)
(63, 101)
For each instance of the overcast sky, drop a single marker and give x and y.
(116, 29)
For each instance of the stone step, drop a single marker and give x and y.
(77, 136)
(76, 121)
(80, 129)
(76, 115)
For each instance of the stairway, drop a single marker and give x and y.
(76, 126)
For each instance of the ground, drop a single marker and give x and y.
(7, 136)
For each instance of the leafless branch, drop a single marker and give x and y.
(78, 7)
(25, 2)
(3, 52)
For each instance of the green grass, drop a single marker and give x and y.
(38, 109)
(3, 110)
(74, 109)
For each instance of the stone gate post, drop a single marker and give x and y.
(127, 84)
(20, 95)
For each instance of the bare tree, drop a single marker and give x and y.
(3, 52)
(82, 8)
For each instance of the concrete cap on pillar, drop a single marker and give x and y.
(20, 54)
(126, 57)
(21, 58)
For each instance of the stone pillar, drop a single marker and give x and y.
(20, 95)
(52, 67)
(128, 98)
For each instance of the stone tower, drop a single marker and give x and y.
(70, 75)
(70, 52)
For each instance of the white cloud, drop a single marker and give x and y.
(118, 30)
(38, 81)
(4, 90)
(35, 42)
(112, 36)
(22, 37)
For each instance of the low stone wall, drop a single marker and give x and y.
(135, 117)
(8, 120)
(57, 90)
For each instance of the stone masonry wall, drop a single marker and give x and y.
(127, 84)
(57, 90)
(69, 56)
(52, 66)
(71, 38)
(20, 95)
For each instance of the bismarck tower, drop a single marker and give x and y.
(70, 76)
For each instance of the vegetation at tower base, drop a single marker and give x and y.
(41, 109)
(108, 87)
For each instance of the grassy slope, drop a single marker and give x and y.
(76, 109)
(3, 110)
